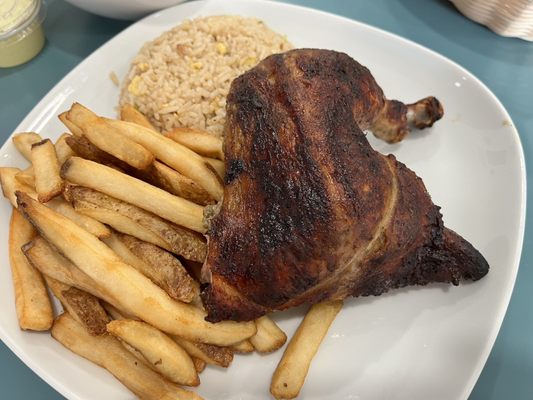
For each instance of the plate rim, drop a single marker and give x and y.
(49, 378)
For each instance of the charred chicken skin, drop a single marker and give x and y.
(310, 211)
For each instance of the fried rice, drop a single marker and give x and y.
(182, 77)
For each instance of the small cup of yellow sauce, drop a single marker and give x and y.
(21, 33)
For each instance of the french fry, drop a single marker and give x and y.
(134, 191)
(33, 306)
(163, 275)
(131, 114)
(210, 354)
(91, 225)
(76, 131)
(158, 174)
(164, 354)
(118, 246)
(173, 154)
(81, 116)
(114, 312)
(26, 177)
(10, 185)
(107, 352)
(106, 138)
(199, 365)
(23, 142)
(136, 353)
(82, 306)
(198, 141)
(161, 267)
(216, 165)
(50, 263)
(85, 149)
(48, 183)
(243, 347)
(130, 289)
(63, 150)
(269, 336)
(134, 221)
(292, 369)
(173, 182)
(118, 222)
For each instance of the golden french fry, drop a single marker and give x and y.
(161, 267)
(173, 154)
(136, 353)
(80, 115)
(52, 264)
(131, 114)
(115, 313)
(10, 184)
(82, 306)
(34, 309)
(130, 289)
(26, 177)
(269, 336)
(106, 138)
(134, 191)
(63, 150)
(85, 149)
(199, 365)
(118, 222)
(211, 354)
(198, 141)
(216, 165)
(23, 142)
(48, 183)
(292, 369)
(91, 225)
(69, 125)
(243, 347)
(164, 354)
(157, 174)
(107, 352)
(134, 221)
(172, 181)
(123, 251)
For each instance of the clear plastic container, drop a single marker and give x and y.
(21, 33)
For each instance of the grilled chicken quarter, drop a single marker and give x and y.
(310, 211)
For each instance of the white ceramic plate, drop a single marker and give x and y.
(418, 343)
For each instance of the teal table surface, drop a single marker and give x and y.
(505, 65)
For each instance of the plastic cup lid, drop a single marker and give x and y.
(14, 15)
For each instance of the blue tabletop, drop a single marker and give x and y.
(505, 65)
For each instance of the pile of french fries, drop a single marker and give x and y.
(109, 218)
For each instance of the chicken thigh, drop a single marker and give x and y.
(310, 211)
